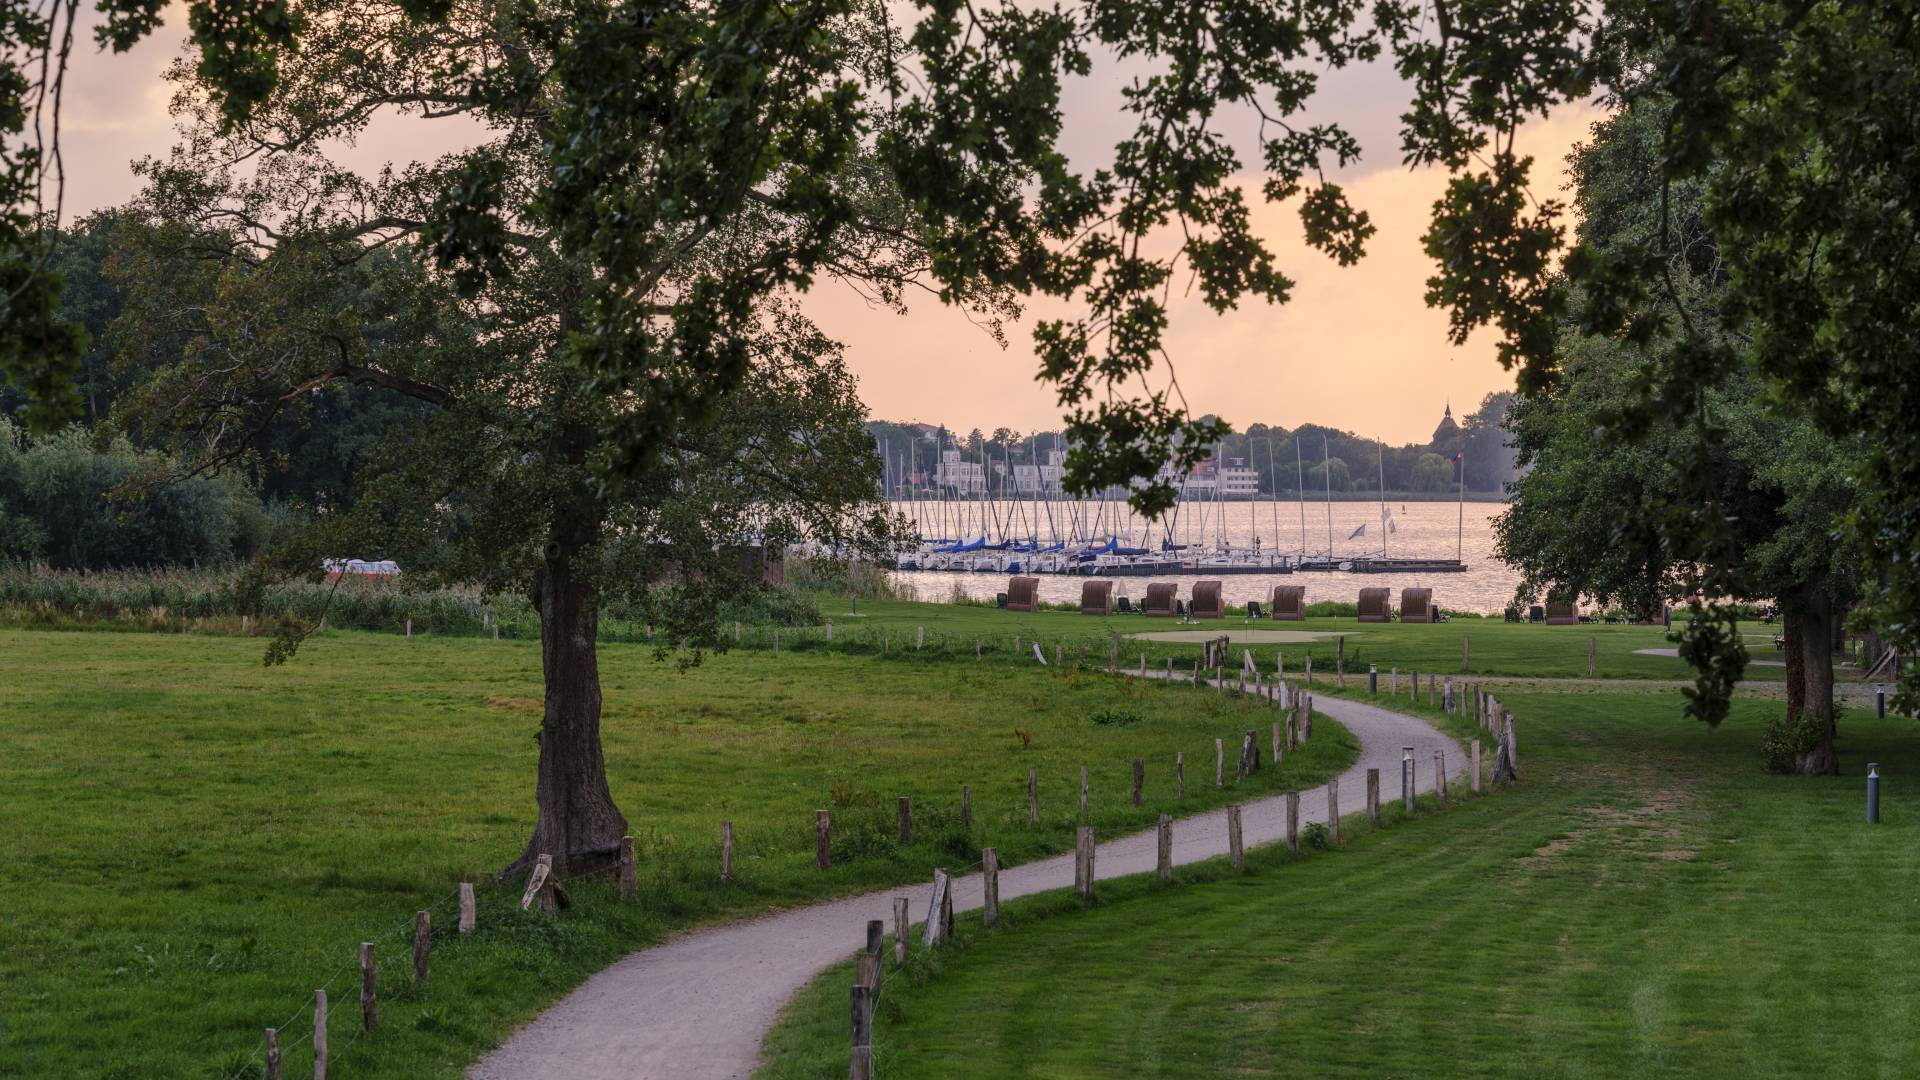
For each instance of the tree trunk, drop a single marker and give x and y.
(1808, 630)
(578, 823)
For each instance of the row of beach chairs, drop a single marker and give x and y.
(1288, 602)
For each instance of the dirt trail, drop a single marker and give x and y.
(698, 1006)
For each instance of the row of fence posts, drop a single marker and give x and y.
(544, 887)
(939, 923)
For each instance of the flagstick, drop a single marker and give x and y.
(1460, 530)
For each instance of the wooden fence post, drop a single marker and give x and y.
(1033, 799)
(1180, 771)
(1293, 822)
(1083, 862)
(1393, 682)
(630, 870)
(422, 944)
(1276, 744)
(1440, 776)
(899, 931)
(369, 1005)
(1219, 762)
(829, 631)
(976, 648)
(1165, 869)
(870, 959)
(1139, 779)
(1466, 655)
(1340, 659)
(1592, 654)
(1309, 671)
(409, 627)
(273, 1054)
(966, 806)
(1333, 810)
(906, 820)
(990, 885)
(466, 907)
(1474, 779)
(939, 904)
(1373, 797)
(861, 1063)
(1235, 853)
(1083, 791)
(319, 1035)
(822, 840)
(919, 638)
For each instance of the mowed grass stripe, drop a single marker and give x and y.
(1647, 902)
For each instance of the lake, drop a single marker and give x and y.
(1421, 530)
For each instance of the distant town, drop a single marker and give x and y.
(1466, 456)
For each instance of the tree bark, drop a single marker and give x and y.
(1808, 629)
(578, 823)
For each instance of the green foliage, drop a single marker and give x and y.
(1315, 835)
(1115, 717)
(64, 502)
(1617, 518)
(1786, 739)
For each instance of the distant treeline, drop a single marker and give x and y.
(1327, 457)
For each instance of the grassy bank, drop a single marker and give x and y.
(1493, 647)
(1647, 902)
(199, 841)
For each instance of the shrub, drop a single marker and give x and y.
(1113, 717)
(1785, 741)
(1316, 836)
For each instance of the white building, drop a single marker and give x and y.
(964, 477)
(1043, 478)
(1233, 480)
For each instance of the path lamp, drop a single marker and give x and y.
(1406, 778)
(1873, 793)
(1373, 678)
(1879, 701)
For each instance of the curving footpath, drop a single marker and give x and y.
(697, 1006)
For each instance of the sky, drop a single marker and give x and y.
(1356, 347)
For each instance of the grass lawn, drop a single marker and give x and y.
(1495, 647)
(1647, 902)
(197, 842)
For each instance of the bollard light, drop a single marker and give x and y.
(1879, 701)
(1373, 678)
(1873, 793)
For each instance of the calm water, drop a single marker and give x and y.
(1422, 530)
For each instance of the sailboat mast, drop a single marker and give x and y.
(1380, 459)
(1300, 492)
(1460, 529)
(1326, 469)
(1273, 494)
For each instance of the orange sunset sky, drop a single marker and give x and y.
(1356, 347)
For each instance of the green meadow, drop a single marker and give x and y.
(199, 841)
(1646, 902)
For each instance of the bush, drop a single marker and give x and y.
(1113, 717)
(1316, 835)
(1324, 609)
(77, 507)
(1784, 741)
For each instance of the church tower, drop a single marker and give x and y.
(1448, 433)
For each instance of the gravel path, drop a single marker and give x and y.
(697, 1006)
(1675, 653)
